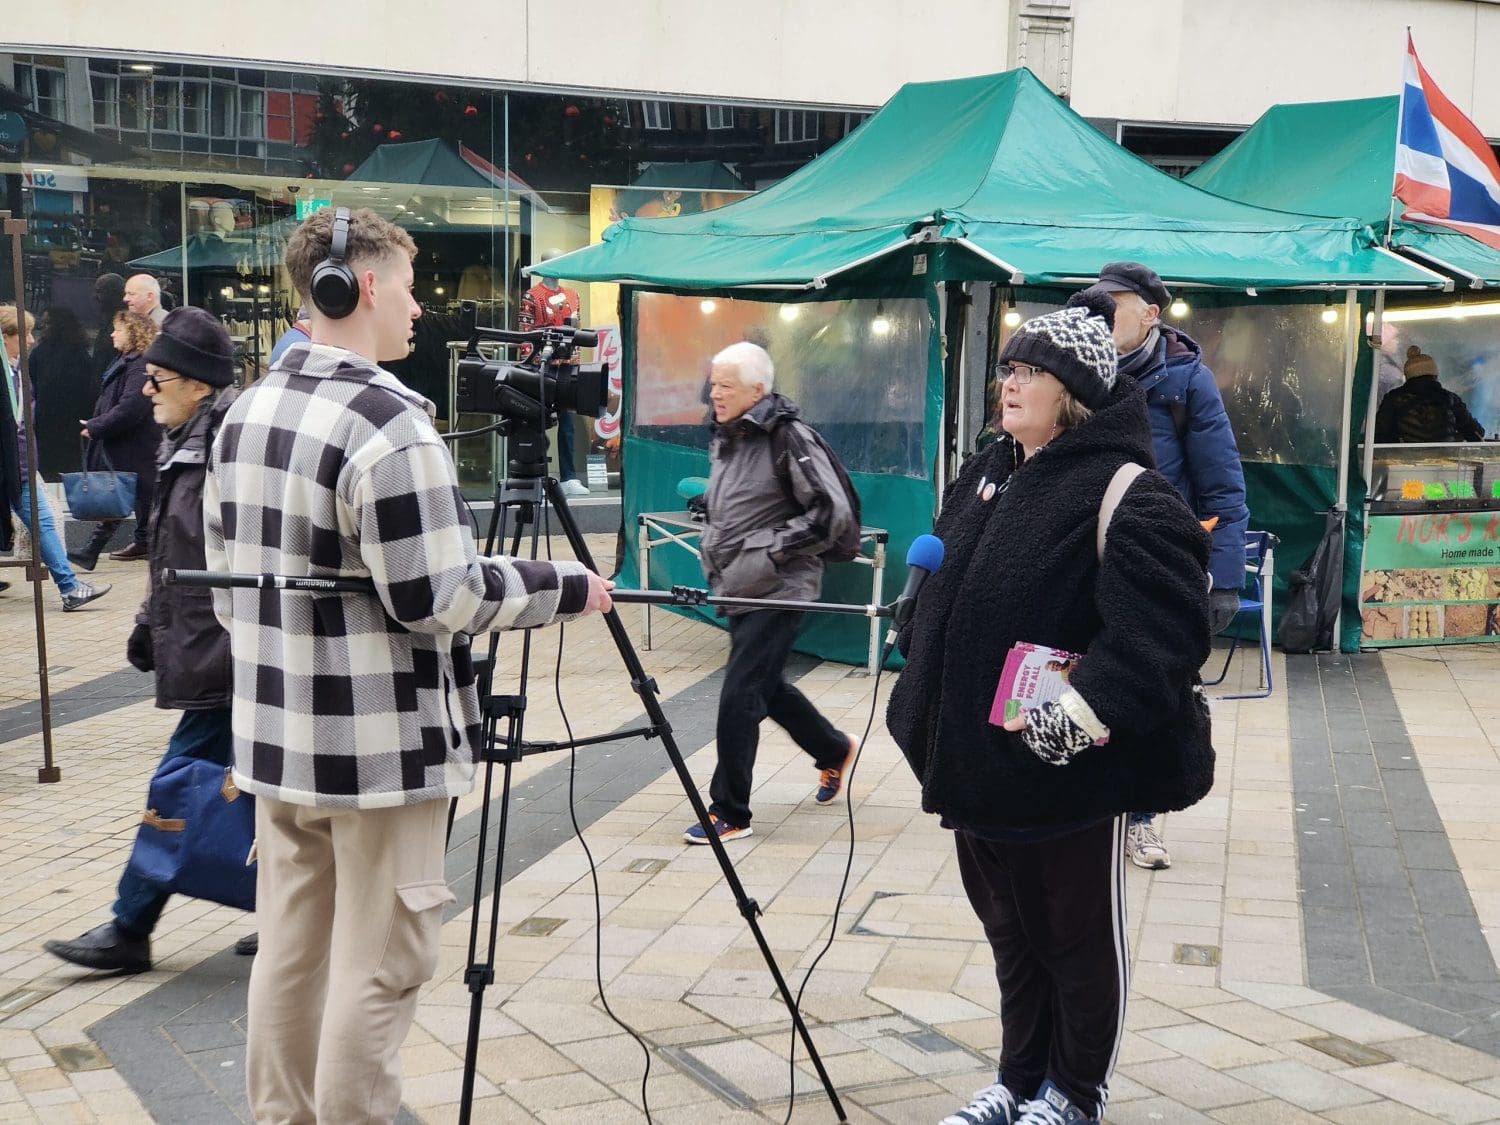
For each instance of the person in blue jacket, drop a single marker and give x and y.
(1195, 450)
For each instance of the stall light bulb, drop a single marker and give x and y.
(881, 326)
(1179, 308)
(707, 306)
(1330, 315)
(790, 313)
(438, 291)
(1012, 318)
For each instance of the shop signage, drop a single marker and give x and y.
(12, 129)
(53, 179)
(1431, 578)
(306, 207)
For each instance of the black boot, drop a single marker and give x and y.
(105, 947)
(86, 558)
(248, 946)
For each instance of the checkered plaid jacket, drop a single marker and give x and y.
(330, 466)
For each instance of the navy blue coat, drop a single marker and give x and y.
(1195, 448)
(122, 423)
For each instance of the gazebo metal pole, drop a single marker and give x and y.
(16, 229)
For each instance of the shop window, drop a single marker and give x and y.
(221, 116)
(720, 116)
(252, 115)
(794, 126)
(166, 102)
(194, 107)
(656, 115)
(133, 103)
(44, 87)
(106, 92)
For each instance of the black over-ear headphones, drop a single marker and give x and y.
(334, 288)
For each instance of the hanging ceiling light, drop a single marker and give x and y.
(881, 325)
(1012, 315)
(1330, 314)
(790, 313)
(1179, 308)
(707, 306)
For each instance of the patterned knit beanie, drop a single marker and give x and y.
(1076, 344)
(1418, 363)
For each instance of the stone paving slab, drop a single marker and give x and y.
(903, 1006)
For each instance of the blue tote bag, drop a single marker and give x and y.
(196, 834)
(106, 495)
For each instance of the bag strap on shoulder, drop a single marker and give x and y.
(1124, 477)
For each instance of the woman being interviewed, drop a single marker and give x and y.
(1038, 807)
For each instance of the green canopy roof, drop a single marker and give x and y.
(699, 175)
(1337, 158)
(436, 163)
(999, 166)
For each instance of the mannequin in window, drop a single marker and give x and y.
(478, 281)
(1422, 409)
(547, 304)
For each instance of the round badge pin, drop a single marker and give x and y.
(988, 494)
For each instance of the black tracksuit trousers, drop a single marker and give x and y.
(754, 689)
(1054, 913)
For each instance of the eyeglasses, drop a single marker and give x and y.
(156, 381)
(1023, 373)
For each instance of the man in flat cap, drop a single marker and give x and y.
(1195, 450)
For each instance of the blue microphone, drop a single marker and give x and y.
(923, 557)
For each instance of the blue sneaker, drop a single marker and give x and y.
(1052, 1107)
(831, 781)
(994, 1105)
(722, 829)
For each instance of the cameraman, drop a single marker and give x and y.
(356, 717)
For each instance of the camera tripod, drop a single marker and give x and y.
(523, 495)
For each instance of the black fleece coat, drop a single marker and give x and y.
(1024, 566)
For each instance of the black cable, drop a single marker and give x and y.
(838, 902)
(589, 855)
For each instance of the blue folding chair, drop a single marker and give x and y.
(1255, 599)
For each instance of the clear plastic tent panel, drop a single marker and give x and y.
(1279, 368)
(857, 369)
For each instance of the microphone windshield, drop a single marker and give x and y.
(926, 552)
(689, 487)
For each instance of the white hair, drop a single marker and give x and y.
(152, 285)
(752, 362)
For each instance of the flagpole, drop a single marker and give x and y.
(1390, 219)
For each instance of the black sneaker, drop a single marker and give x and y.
(105, 947)
(249, 945)
(82, 594)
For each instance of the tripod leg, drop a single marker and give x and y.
(481, 974)
(645, 687)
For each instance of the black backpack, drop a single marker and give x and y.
(846, 546)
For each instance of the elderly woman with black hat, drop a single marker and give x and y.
(1038, 804)
(190, 373)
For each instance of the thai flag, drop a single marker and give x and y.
(1446, 172)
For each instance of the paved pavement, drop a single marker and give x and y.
(1322, 949)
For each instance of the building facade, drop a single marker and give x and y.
(190, 147)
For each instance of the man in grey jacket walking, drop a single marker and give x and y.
(775, 504)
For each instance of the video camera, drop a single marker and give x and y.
(529, 392)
